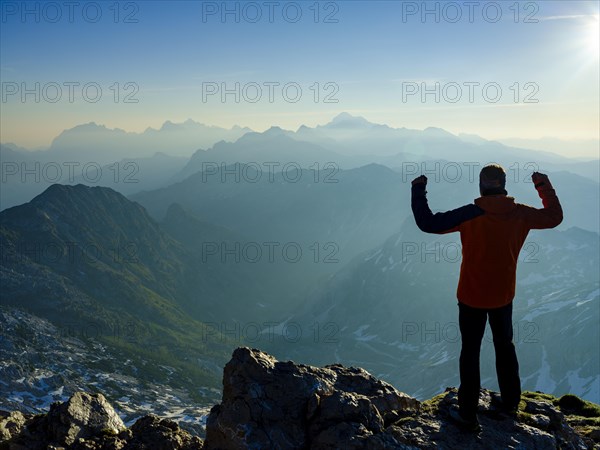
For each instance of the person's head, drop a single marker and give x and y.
(492, 180)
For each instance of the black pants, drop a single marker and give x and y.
(472, 327)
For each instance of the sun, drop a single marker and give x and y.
(592, 37)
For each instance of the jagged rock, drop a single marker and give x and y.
(432, 429)
(82, 416)
(152, 432)
(272, 404)
(88, 422)
(69, 425)
(11, 424)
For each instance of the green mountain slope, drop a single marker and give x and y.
(88, 258)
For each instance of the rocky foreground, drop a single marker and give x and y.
(270, 404)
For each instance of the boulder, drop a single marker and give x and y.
(273, 404)
(152, 432)
(11, 424)
(82, 416)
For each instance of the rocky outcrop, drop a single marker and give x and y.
(281, 405)
(270, 404)
(89, 422)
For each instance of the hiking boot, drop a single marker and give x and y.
(498, 405)
(467, 424)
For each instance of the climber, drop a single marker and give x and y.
(492, 231)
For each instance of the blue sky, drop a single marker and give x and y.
(370, 59)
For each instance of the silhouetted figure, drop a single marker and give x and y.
(492, 231)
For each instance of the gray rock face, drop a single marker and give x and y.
(272, 404)
(83, 416)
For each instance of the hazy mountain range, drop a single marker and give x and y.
(99, 156)
(302, 243)
(131, 162)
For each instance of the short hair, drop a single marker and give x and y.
(492, 176)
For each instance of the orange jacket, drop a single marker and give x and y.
(492, 236)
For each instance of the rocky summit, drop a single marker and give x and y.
(271, 404)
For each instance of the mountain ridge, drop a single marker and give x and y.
(126, 162)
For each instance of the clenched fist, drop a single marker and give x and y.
(539, 179)
(419, 180)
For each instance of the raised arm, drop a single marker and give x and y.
(438, 223)
(551, 214)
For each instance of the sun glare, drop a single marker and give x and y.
(592, 31)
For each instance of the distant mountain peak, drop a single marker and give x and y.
(61, 195)
(348, 119)
(192, 125)
(346, 116)
(374, 170)
(275, 131)
(90, 126)
(175, 209)
(79, 212)
(69, 136)
(56, 189)
(438, 132)
(170, 125)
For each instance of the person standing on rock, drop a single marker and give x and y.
(492, 231)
